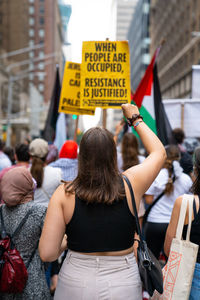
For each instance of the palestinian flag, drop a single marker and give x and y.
(148, 98)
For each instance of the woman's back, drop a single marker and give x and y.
(99, 227)
(107, 274)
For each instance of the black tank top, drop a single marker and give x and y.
(195, 229)
(98, 227)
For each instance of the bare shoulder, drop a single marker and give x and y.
(61, 194)
(63, 200)
(178, 201)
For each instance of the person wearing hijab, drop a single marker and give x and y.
(17, 187)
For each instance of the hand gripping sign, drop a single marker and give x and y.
(105, 74)
(70, 92)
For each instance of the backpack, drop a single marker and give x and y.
(13, 272)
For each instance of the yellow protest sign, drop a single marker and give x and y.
(105, 74)
(70, 92)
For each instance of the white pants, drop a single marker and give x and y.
(88, 277)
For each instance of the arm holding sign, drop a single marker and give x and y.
(141, 176)
(118, 129)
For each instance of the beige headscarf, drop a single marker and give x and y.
(17, 186)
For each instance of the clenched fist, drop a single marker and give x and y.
(129, 110)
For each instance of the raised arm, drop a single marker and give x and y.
(142, 175)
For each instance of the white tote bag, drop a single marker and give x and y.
(179, 270)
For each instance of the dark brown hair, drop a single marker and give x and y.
(130, 151)
(195, 189)
(173, 153)
(179, 135)
(37, 170)
(98, 178)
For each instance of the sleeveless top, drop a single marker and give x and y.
(195, 229)
(99, 227)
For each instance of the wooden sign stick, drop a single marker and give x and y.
(76, 128)
(104, 118)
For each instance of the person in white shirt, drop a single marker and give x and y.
(173, 182)
(47, 178)
(4, 159)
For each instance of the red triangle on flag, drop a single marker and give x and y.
(145, 86)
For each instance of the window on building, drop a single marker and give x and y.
(41, 20)
(41, 76)
(146, 8)
(1, 18)
(41, 33)
(31, 54)
(31, 21)
(31, 66)
(31, 32)
(41, 87)
(41, 9)
(31, 10)
(31, 43)
(41, 54)
(41, 66)
(31, 76)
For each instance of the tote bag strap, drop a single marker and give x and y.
(186, 199)
(181, 219)
(191, 200)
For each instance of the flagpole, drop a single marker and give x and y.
(76, 129)
(104, 110)
(182, 116)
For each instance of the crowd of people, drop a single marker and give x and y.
(78, 241)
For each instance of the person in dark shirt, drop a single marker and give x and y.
(186, 158)
(96, 214)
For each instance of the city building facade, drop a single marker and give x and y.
(139, 42)
(37, 25)
(125, 10)
(176, 22)
(45, 28)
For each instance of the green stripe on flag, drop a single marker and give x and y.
(151, 123)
